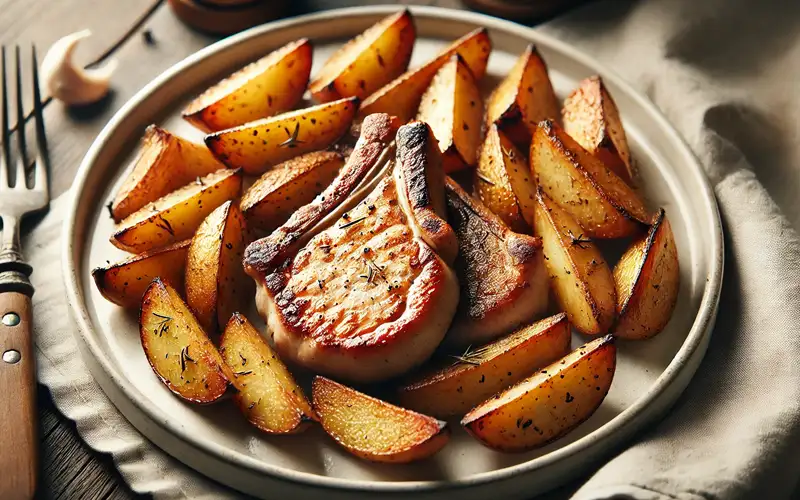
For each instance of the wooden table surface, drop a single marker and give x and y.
(146, 38)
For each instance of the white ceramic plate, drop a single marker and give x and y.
(219, 443)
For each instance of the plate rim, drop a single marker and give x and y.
(697, 337)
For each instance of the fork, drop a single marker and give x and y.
(18, 424)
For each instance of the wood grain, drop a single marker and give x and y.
(70, 132)
(18, 443)
(42, 22)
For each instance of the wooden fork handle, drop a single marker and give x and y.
(18, 421)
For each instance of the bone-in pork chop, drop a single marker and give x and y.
(371, 294)
(502, 274)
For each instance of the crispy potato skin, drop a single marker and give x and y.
(124, 283)
(504, 183)
(523, 99)
(452, 107)
(280, 192)
(647, 279)
(267, 394)
(517, 420)
(273, 84)
(591, 117)
(579, 276)
(178, 350)
(176, 216)
(369, 61)
(402, 96)
(216, 284)
(165, 163)
(258, 145)
(373, 429)
(501, 273)
(602, 203)
(453, 387)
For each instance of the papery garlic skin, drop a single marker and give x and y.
(72, 84)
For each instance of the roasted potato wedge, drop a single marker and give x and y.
(504, 183)
(124, 283)
(579, 275)
(524, 98)
(165, 162)
(258, 145)
(177, 347)
(471, 378)
(267, 394)
(216, 284)
(548, 404)
(373, 429)
(273, 198)
(368, 62)
(647, 279)
(273, 84)
(175, 216)
(602, 203)
(452, 107)
(402, 96)
(591, 117)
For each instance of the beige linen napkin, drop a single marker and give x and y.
(725, 72)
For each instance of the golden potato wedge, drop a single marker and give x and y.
(452, 107)
(579, 275)
(124, 283)
(273, 84)
(165, 162)
(273, 198)
(373, 429)
(267, 394)
(402, 96)
(216, 284)
(591, 117)
(504, 183)
(524, 98)
(177, 347)
(647, 279)
(258, 145)
(175, 216)
(368, 62)
(548, 404)
(478, 374)
(602, 203)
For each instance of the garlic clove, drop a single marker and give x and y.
(73, 84)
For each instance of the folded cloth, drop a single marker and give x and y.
(725, 73)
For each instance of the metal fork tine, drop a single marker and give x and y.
(41, 182)
(4, 158)
(22, 159)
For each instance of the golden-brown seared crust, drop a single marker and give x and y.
(363, 295)
(263, 256)
(370, 256)
(501, 273)
(421, 178)
(366, 298)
